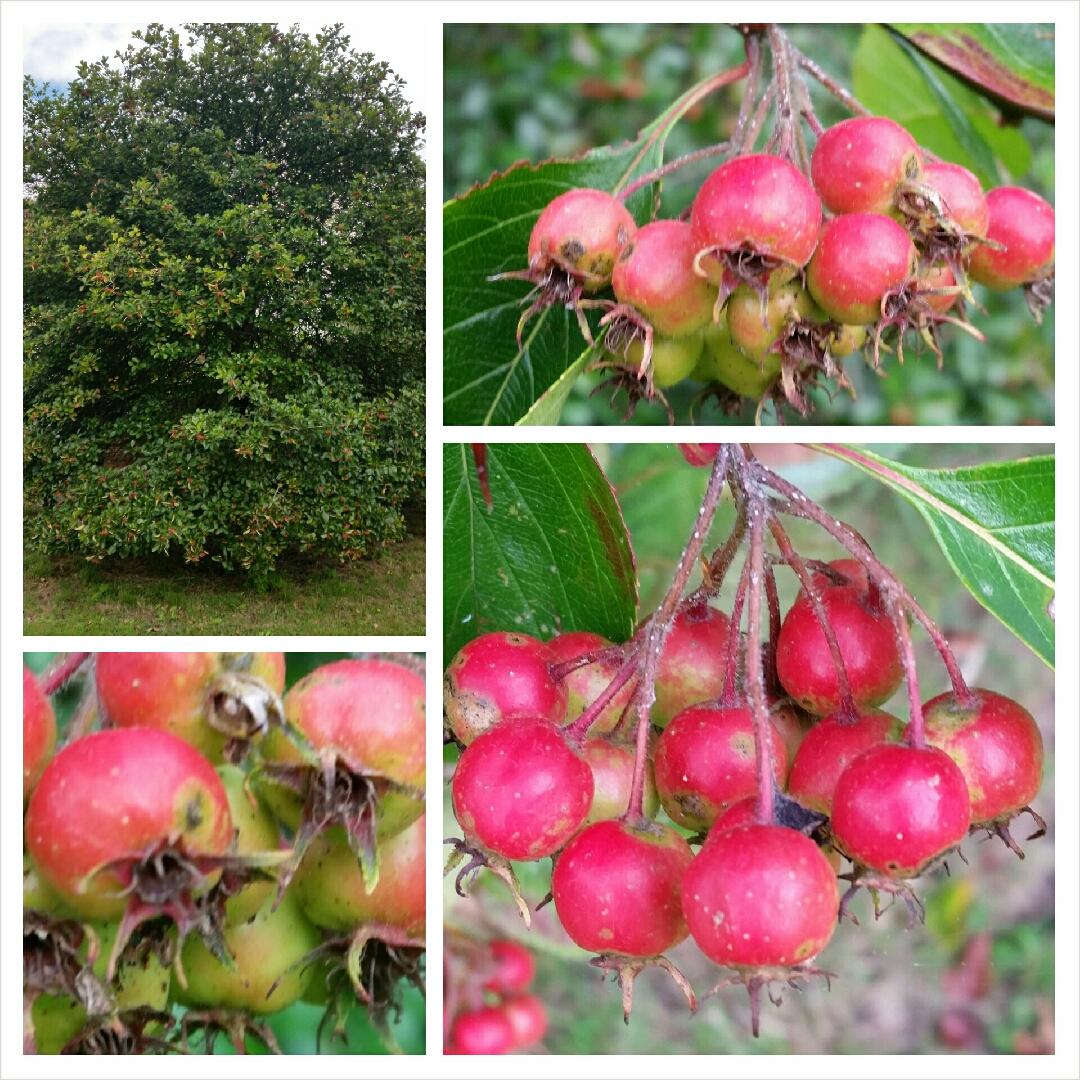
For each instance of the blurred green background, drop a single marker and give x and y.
(979, 977)
(530, 92)
(296, 1026)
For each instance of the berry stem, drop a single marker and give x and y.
(916, 730)
(670, 167)
(753, 55)
(60, 670)
(830, 84)
(720, 562)
(656, 630)
(800, 506)
(772, 683)
(728, 698)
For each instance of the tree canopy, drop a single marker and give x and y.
(223, 299)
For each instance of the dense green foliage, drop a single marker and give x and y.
(224, 300)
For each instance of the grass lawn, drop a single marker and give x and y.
(67, 595)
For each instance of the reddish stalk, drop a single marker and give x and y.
(728, 697)
(656, 630)
(830, 84)
(775, 621)
(670, 167)
(753, 55)
(60, 670)
(916, 730)
(720, 562)
(576, 730)
(800, 506)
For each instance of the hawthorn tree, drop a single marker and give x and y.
(223, 300)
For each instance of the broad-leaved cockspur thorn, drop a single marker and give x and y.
(513, 967)
(39, 731)
(701, 455)
(488, 1030)
(897, 808)
(1023, 223)
(585, 684)
(616, 888)
(353, 755)
(867, 642)
(331, 889)
(499, 675)
(705, 761)
(859, 163)
(761, 899)
(520, 791)
(654, 276)
(129, 823)
(751, 332)
(756, 220)
(613, 773)
(527, 1017)
(859, 259)
(572, 249)
(692, 664)
(211, 700)
(266, 974)
(829, 747)
(997, 746)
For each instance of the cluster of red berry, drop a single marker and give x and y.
(552, 754)
(488, 1008)
(762, 293)
(218, 846)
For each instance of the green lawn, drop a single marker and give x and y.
(66, 595)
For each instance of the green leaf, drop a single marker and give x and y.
(995, 524)
(1011, 62)
(549, 407)
(485, 232)
(551, 554)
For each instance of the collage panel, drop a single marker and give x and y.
(713, 224)
(224, 852)
(724, 722)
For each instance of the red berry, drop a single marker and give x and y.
(701, 455)
(616, 888)
(858, 164)
(760, 896)
(482, 1031)
(121, 794)
(760, 204)
(692, 666)
(499, 675)
(176, 691)
(859, 258)
(897, 808)
(514, 967)
(827, 750)
(705, 761)
(613, 774)
(867, 642)
(1024, 223)
(585, 684)
(39, 731)
(520, 791)
(655, 274)
(738, 814)
(582, 231)
(997, 746)
(963, 195)
(527, 1017)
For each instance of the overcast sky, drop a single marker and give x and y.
(51, 53)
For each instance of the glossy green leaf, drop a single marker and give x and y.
(551, 554)
(486, 379)
(995, 525)
(1011, 62)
